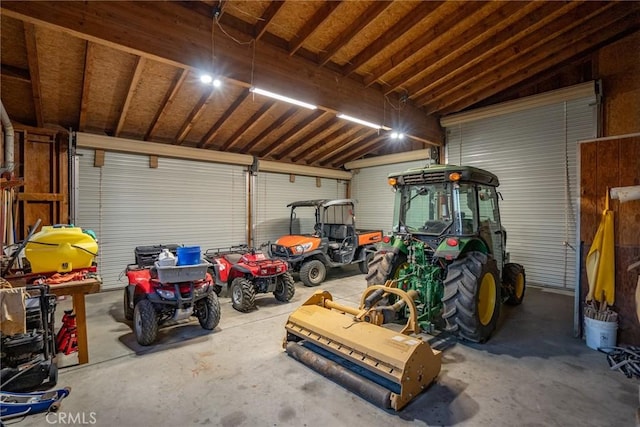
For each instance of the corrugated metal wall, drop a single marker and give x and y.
(533, 152)
(369, 186)
(186, 202)
(275, 191)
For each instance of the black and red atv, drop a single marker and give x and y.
(247, 272)
(159, 294)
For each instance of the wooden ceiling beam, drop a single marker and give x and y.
(603, 27)
(551, 17)
(329, 139)
(406, 23)
(433, 32)
(157, 30)
(310, 27)
(342, 144)
(89, 59)
(248, 125)
(281, 121)
(291, 133)
(133, 84)
(208, 138)
(270, 12)
(350, 32)
(169, 96)
(309, 138)
(448, 48)
(193, 116)
(15, 73)
(34, 71)
(341, 156)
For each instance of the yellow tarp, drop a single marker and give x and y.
(600, 262)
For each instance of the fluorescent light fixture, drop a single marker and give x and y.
(397, 135)
(283, 98)
(359, 121)
(206, 79)
(217, 83)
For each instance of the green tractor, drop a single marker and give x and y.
(449, 246)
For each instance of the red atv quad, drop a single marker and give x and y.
(158, 294)
(246, 272)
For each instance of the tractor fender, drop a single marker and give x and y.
(464, 244)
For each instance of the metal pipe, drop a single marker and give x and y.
(340, 307)
(8, 141)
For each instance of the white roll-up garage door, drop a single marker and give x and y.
(129, 204)
(533, 152)
(275, 191)
(374, 210)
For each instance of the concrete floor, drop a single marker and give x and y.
(531, 373)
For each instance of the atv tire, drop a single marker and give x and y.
(128, 311)
(472, 297)
(208, 311)
(285, 287)
(145, 322)
(313, 272)
(384, 266)
(243, 294)
(514, 281)
(364, 265)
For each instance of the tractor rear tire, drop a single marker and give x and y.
(285, 287)
(209, 311)
(384, 266)
(128, 311)
(243, 294)
(313, 272)
(472, 297)
(515, 282)
(145, 322)
(364, 265)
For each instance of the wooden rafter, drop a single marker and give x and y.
(133, 84)
(333, 149)
(248, 125)
(312, 25)
(410, 20)
(89, 59)
(309, 137)
(266, 18)
(528, 24)
(172, 91)
(341, 130)
(291, 133)
(350, 32)
(613, 22)
(426, 39)
(193, 116)
(207, 139)
(34, 71)
(281, 121)
(364, 147)
(15, 73)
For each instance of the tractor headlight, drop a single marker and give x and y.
(166, 294)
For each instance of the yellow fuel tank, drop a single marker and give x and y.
(60, 249)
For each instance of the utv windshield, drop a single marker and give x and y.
(435, 209)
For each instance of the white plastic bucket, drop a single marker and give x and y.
(599, 333)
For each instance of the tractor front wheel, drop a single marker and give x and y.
(472, 297)
(285, 287)
(313, 272)
(514, 281)
(208, 311)
(243, 294)
(145, 322)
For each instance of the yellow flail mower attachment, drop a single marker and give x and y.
(351, 347)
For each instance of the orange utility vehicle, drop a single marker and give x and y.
(325, 237)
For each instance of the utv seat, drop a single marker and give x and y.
(337, 235)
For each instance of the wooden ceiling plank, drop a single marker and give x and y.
(248, 125)
(193, 116)
(133, 84)
(406, 23)
(310, 27)
(426, 39)
(15, 73)
(281, 121)
(207, 139)
(507, 13)
(292, 133)
(346, 127)
(267, 17)
(89, 60)
(157, 30)
(363, 147)
(172, 91)
(34, 71)
(308, 138)
(501, 47)
(350, 32)
(602, 27)
(341, 144)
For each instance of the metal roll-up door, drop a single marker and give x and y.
(275, 191)
(375, 197)
(129, 204)
(533, 151)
